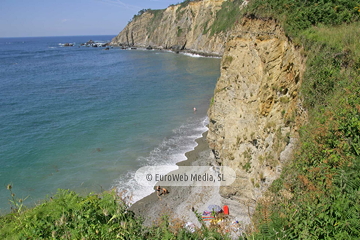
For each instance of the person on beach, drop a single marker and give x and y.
(158, 189)
(194, 109)
(165, 191)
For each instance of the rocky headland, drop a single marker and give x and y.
(256, 110)
(179, 27)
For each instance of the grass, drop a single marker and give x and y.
(70, 216)
(336, 63)
(227, 61)
(296, 16)
(155, 20)
(346, 37)
(226, 17)
(179, 31)
(284, 99)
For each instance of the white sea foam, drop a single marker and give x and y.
(63, 44)
(169, 152)
(194, 55)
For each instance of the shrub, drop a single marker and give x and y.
(300, 15)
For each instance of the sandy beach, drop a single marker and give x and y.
(178, 204)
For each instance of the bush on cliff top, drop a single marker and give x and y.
(300, 15)
(226, 17)
(295, 15)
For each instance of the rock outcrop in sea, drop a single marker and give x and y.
(256, 110)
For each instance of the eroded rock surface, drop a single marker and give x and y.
(256, 108)
(175, 26)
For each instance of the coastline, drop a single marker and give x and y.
(183, 51)
(178, 204)
(151, 208)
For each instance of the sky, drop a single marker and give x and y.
(35, 18)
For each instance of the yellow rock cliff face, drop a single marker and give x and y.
(256, 108)
(175, 26)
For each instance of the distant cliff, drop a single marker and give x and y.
(256, 110)
(180, 26)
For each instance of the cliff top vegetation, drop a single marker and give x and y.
(295, 16)
(154, 11)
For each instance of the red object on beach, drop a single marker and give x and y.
(226, 210)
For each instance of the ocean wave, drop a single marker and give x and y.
(195, 55)
(63, 44)
(192, 55)
(10, 43)
(169, 152)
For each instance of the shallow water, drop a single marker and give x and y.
(85, 119)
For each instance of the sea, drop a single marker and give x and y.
(85, 118)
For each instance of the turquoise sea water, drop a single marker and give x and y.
(85, 118)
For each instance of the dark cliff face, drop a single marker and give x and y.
(255, 113)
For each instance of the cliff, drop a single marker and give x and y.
(177, 26)
(256, 110)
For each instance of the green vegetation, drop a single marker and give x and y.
(247, 157)
(155, 20)
(69, 216)
(179, 31)
(284, 99)
(247, 166)
(212, 101)
(184, 3)
(294, 15)
(180, 11)
(228, 60)
(226, 17)
(157, 15)
(299, 15)
(205, 27)
(105, 216)
(141, 12)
